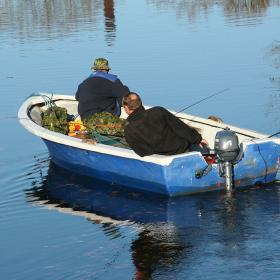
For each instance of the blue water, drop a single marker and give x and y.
(57, 225)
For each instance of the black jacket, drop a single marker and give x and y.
(157, 131)
(100, 92)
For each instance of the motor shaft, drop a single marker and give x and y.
(228, 175)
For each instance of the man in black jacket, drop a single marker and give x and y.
(157, 131)
(100, 92)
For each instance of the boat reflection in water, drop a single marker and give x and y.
(158, 218)
(175, 234)
(66, 190)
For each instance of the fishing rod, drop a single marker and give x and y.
(201, 100)
(208, 97)
(273, 134)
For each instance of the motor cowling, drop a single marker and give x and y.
(226, 145)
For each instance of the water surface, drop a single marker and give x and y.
(57, 225)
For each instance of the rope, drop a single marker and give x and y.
(265, 163)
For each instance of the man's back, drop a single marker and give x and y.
(100, 92)
(92, 94)
(157, 131)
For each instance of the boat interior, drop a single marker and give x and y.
(207, 127)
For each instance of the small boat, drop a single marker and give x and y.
(243, 157)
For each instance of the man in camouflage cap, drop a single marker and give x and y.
(101, 64)
(100, 92)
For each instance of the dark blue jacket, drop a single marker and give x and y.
(100, 92)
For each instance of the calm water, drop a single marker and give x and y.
(57, 225)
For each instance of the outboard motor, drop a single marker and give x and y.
(227, 149)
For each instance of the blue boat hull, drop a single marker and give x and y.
(258, 165)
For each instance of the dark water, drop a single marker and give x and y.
(56, 225)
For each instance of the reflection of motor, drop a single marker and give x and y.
(227, 150)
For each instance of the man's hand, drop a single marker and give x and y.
(203, 143)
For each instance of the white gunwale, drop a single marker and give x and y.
(36, 129)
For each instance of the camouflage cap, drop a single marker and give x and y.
(101, 64)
